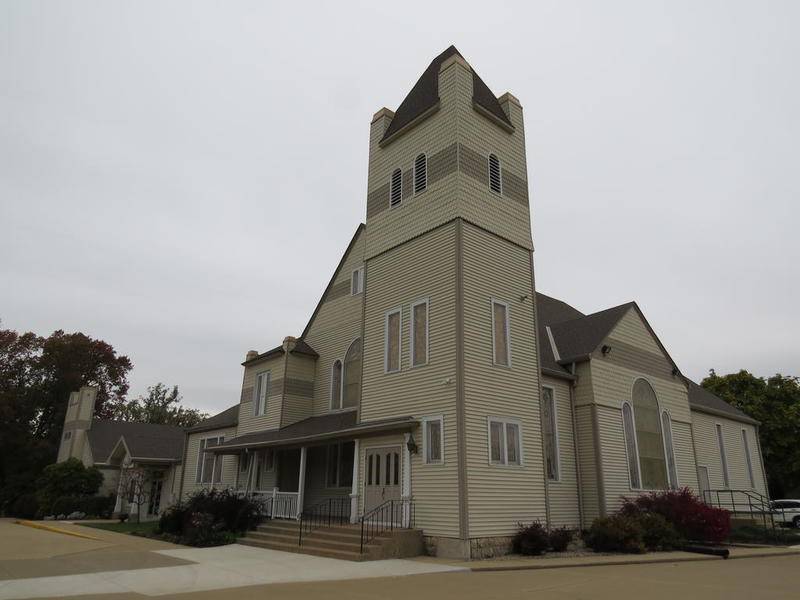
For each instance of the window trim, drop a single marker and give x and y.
(504, 421)
(400, 187)
(499, 173)
(556, 439)
(386, 315)
(748, 460)
(256, 399)
(338, 485)
(673, 485)
(640, 487)
(414, 175)
(723, 455)
(427, 303)
(201, 461)
(359, 272)
(425, 421)
(341, 384)
(492, 302)
(344, 375)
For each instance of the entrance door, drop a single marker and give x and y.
(154, 504)
(382, 481)
(704, 482)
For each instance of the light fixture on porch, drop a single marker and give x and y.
(411, 444)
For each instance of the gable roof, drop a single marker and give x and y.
(550, 311)
(144, 440)
(701, 400)
(424, 97)
(301, 347)
(576, 339)
(227, 418)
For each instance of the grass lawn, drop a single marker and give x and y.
(147, 528)
(781, 536)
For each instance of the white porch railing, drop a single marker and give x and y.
(276, 504)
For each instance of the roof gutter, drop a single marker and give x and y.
(723, 414)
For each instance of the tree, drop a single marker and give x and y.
(134, 486)
(37, 375)
(775, 402)
(161, 405)
(68, 478)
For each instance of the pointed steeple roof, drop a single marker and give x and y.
(424, 96)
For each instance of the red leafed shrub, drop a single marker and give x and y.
(691, 518)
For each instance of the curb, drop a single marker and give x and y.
(43, 527)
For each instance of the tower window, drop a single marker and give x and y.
(396, 188)
(420, 173)
(495, 181)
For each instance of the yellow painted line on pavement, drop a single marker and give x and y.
(57, 530)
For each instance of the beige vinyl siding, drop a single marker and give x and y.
(424, 267)
(297, 405)
(336, 325)
(229, 464)
(316, 478)
(684, 455)
(708, 455)
(248, 422)
(631, 330)
(563, 494)
(499, 497)
(584, 402)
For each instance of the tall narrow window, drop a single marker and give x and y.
(396, 188)
(505, 445)
(336, 385)
(723, 457)
(261, 393)
(495, 180)
(748, 461)
(357, 281)
(432, 439)
(649, 439)
(669, 449)
(550, 432)
(420, 173)
(630, 445)
(500, 333)
(209, 465)
(419, 333)
(351, 389)
(392, 341)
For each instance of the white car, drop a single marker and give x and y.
(787, 512)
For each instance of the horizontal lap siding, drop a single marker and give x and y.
(424, 267)
(563, 494)
(684, 459)
(248, 422)
(500, 497)
(584, 399)
(708, 455)
(229, 464)
(336, 325)
(615, 462)
(300, 371)
(316, 479)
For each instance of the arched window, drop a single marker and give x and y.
(351, 391)
(420, 173)
(336, 385)
(396, 188)
(669, 450)
(644, 440)
(495, 180)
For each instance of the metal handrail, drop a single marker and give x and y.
(330, 512)
(757, 504)
(383, 518)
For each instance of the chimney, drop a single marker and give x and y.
(251, 354)
(381, 120)
(512, 107)
(289, 342)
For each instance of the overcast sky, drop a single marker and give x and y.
(180, 179)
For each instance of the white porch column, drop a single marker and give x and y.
(354, 489)
(301, 485)
(120, 491)
(405, 490)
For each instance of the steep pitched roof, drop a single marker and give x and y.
(227, 418)
(424, 97)
(577, 338)
(144, 440)
(549, 312)
(702, 400)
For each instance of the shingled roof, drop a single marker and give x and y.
(424, 97)
(702, 400)
(144, 440)
(227, 418)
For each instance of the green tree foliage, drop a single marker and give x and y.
(37, 375)
(68, 478)
(775, 402)
(160, 405)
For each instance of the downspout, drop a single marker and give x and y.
(578, 478)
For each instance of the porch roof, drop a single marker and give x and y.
(325, 427)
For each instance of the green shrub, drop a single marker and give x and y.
(209, 518)
(657, 532)
(559, 539)
(173, 519)
(618, 533)
(64, 506)
(531, 539)
(25, 506)
(67, 479)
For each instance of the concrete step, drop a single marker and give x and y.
(348, 544)
(304, 549)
